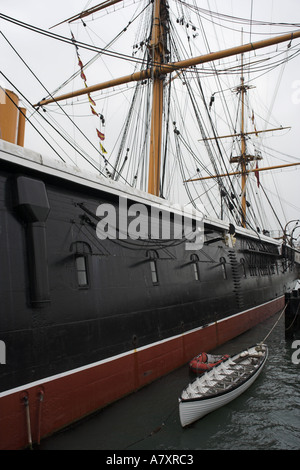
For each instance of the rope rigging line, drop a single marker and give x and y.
(75, 147)
(69, 41)
(99, 54)
(234, 19)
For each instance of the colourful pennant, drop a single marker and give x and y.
(102, 148)
(100, 135)
(93, 111)
(91, 100)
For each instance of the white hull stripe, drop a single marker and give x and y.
(128, 353)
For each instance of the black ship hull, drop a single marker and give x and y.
(85, 321)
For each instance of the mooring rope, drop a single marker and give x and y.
(293, 318)
(275, 324)
(155, 431)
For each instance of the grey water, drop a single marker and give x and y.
(265, 417)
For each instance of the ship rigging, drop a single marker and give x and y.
(166, 147)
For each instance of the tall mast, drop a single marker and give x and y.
(243, 146)
(157, 52)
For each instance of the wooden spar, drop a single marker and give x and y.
(88, 12)
(156, 49)
(168, 68)
(245, 133)
(159, 69)
(247, 171)
(134, 77)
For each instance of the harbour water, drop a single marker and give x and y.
(265, 417)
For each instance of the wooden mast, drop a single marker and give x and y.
(243, 147)
(243, 158)
(157, 52)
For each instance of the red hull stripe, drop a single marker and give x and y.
(74, 394)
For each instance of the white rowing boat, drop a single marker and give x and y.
(222, 384)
